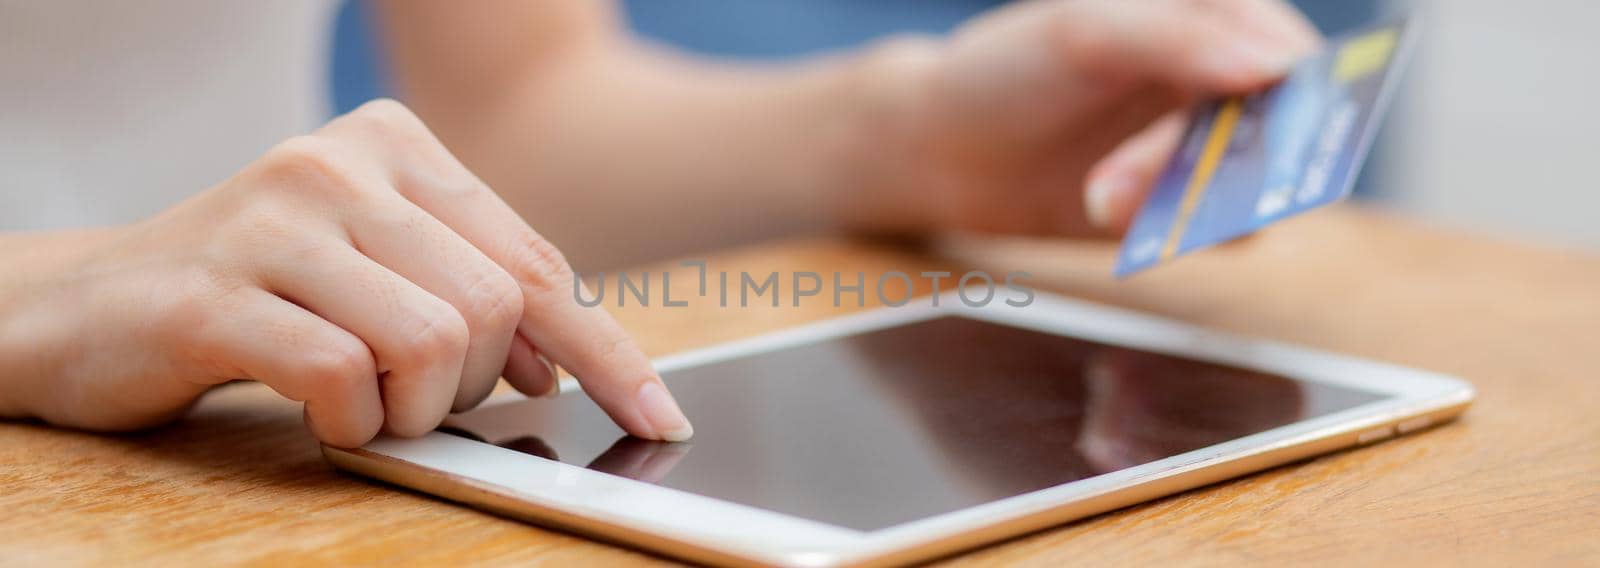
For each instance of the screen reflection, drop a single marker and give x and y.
(890, 426)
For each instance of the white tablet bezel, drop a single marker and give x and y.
(701, 527)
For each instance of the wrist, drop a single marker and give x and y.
(33, 313)
(885, 185)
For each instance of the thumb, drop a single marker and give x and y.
(1117, 185)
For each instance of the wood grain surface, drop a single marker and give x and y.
(1516, 481)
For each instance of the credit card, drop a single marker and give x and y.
(1250, 161)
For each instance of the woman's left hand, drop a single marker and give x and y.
(1053, 117)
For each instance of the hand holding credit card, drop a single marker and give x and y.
(1249, 161)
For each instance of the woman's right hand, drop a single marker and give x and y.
(360, 269)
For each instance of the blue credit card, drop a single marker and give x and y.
(1246, 162)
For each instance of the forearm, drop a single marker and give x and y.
(30, 330)
(622, 152)
(11, 298)
(640, 154)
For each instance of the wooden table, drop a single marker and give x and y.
(1517, 481)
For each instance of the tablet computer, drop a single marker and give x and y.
(902, 434)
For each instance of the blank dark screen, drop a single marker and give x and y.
(889, 426)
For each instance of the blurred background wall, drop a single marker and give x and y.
(1501, 129)
(1493, 129)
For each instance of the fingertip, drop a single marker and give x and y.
(1112, 199)
(1310, 44)
(1242, 64)
(350, 429)
(1097, 200)
(682, 434)
(661, 411)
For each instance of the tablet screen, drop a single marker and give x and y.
(889, 426)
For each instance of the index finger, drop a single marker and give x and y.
(588, 342)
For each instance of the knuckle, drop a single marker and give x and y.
(339, 363)
(536, 262)
(304, 152)
(453, 182)
(387, 108)
(433, 336)
(310, 165)
(495, 301)
(278, 249)
(403, 135)
(316, 252)
(257, 231)
(387, 115)
(187, 318)
(616, 344)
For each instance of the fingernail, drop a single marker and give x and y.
(1276, 60)
(1097, 199)
(662, 413)
(1243, 57)
(555, 376)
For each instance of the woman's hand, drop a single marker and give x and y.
(1054, 117)
(360, 269)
